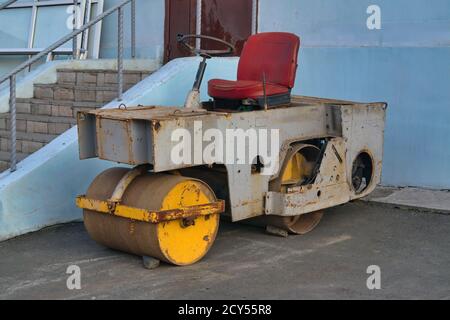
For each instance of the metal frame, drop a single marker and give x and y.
(133, 29)
(35, 5)
(11, 76)
(74, 27)
(95, 50)
(32, 51)
(329, 187)
(6, 4)
(113, 205)
(198, 24)
(79, 46)
(255, 10)
(142, 135)
(150, 216)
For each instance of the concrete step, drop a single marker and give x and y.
(55, 102)
(22, 146)
(53, 86)
(38, 124)
(54, 107)
(5, 159)
(5, 156)
(26, 143)
(39, 118)
(74, 104)
(98, 77)
(70, 92)
(34, 137)
(41, 107)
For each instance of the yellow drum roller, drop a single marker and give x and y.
(298, 169)
(168, 217)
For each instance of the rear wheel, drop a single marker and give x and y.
(297, 170)
(362, 172)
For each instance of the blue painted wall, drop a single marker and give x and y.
(406, 63)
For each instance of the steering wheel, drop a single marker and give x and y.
(183, 40)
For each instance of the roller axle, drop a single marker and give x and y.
(144, 215)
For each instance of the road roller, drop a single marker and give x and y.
(292, 158)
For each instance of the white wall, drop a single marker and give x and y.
(150, 15)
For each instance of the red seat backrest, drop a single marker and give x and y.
(272, 53)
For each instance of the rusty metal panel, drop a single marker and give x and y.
(87, 143)
(124, 141)
(305, 201)
(330, 187)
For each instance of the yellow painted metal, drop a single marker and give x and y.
(181, 242)
(150, 216)
(90, 204)
(298, 167)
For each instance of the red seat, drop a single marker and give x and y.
(273, 54)
(243, 89)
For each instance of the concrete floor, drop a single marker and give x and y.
(412, 198)
(411, 248)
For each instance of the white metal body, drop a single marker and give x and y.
(144, 136)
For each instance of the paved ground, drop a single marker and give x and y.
(412, 198)
(412, 249)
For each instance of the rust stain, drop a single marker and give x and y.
(132, 228)
(247, 203)
(156, 126)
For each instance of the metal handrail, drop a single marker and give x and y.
(6, 4)
(12, 75)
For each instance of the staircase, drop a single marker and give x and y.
(54, 107)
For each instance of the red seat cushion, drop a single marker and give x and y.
(242, 89)
(272, 55)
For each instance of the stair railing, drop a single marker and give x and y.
(11, 76)
(6, 4)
